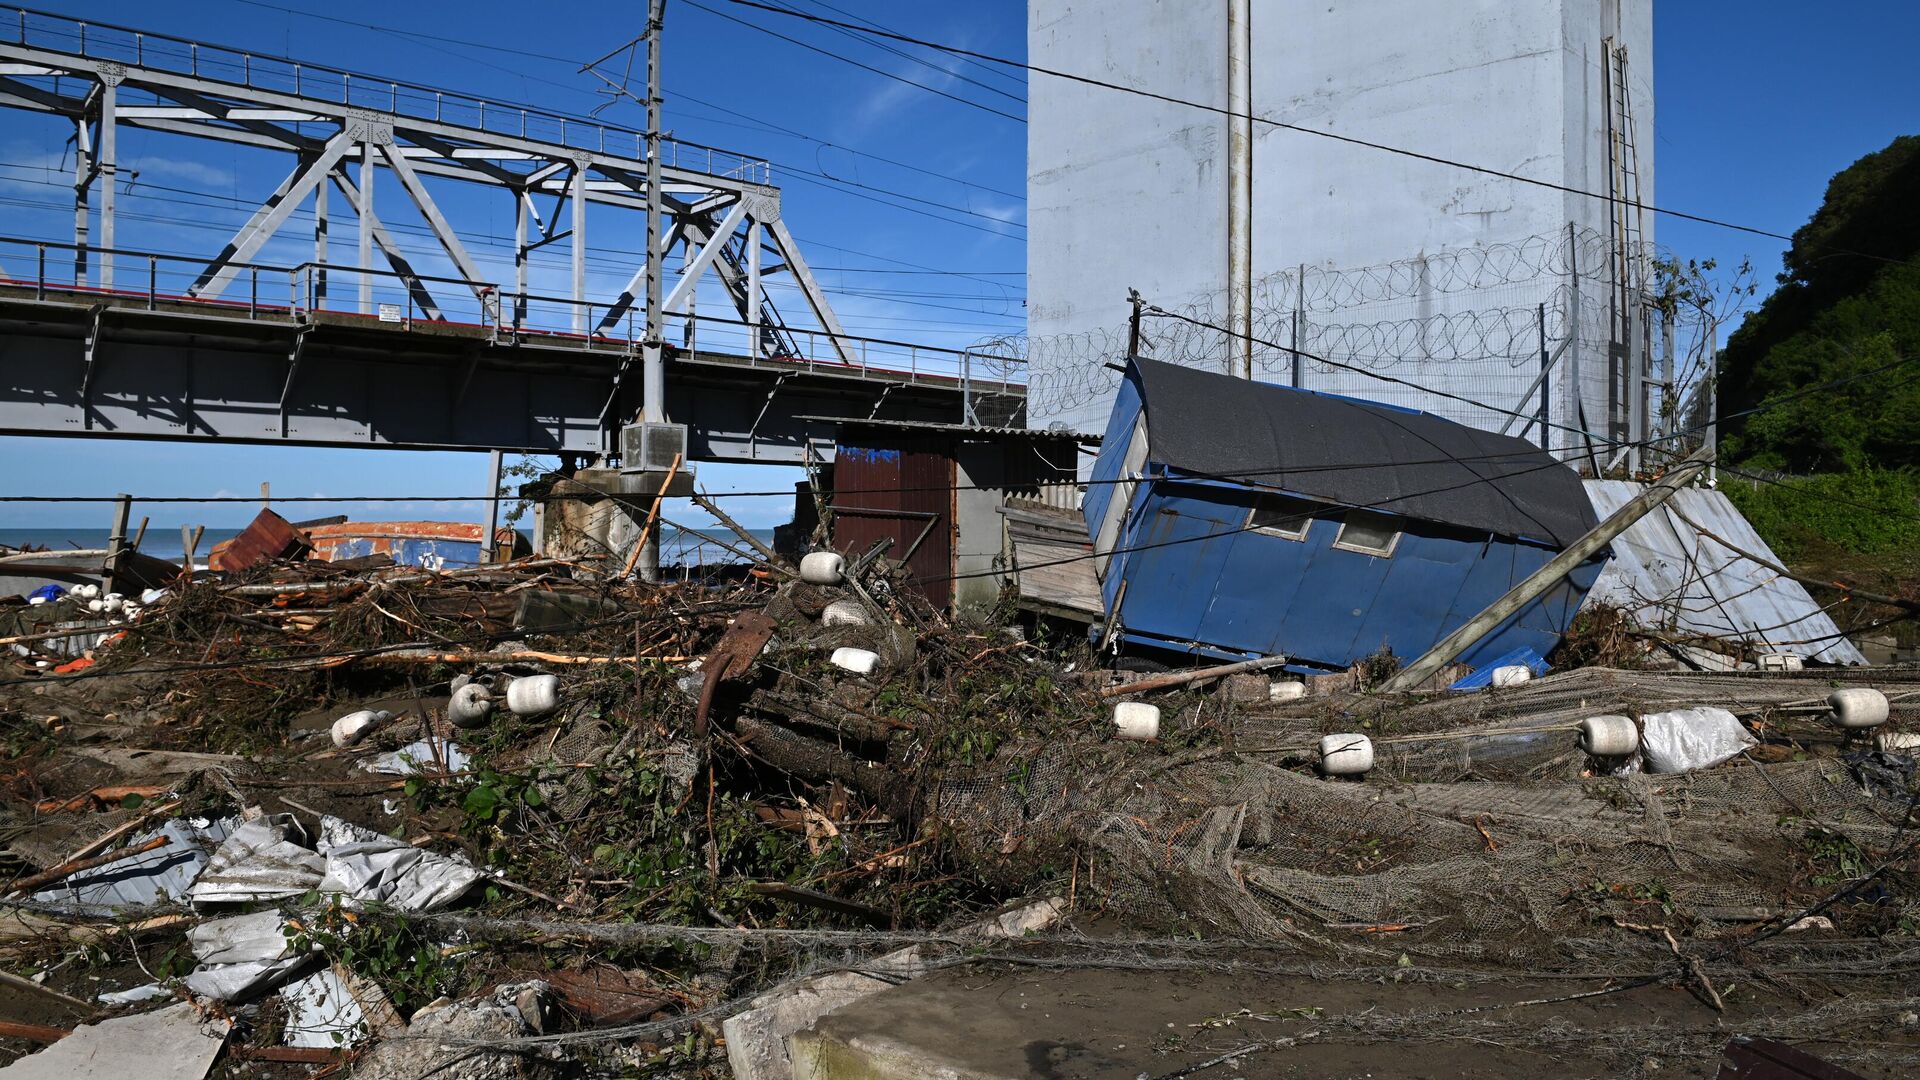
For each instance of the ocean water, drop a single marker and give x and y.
(676, 547)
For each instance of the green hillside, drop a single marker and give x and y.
(1847, 308)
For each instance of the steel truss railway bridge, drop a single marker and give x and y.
(101, 340)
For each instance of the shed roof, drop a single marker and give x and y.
(1357, 453)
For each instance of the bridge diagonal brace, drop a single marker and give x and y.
(268, 218)
(96, 325)
(638, 281)
(395, 258)
(773, 391)
(882, 399)
(449, 240)
(294, 355)
(677, 299)
(16, 93)
(816, 296)
(466, 379)
(619, 379)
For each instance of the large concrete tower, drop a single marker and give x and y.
(1399, 265)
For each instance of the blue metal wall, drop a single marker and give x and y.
(1199, 581)
(1113, 451)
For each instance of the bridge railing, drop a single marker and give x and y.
(319, 82)
(308, 291)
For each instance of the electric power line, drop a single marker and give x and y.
(883, 73)
(1417, 155)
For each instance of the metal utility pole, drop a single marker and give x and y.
(653, 374)
(1240, 188)
(653, 365)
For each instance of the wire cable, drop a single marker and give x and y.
(1435, 159)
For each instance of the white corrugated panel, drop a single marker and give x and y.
(1667, 574)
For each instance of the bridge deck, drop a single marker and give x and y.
(85, 362)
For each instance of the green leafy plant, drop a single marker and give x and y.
(380, 946)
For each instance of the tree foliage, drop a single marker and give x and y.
(1847, 308)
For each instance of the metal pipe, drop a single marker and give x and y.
(1240, 187)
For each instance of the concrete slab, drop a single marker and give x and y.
(168, 1044)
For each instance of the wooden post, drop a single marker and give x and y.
(1184, 678)
(1547, 576)
(489, 552)
(653, 513)
(117, 539)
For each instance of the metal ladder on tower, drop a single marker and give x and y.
(1627, 226)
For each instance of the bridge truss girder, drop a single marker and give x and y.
(725, 223)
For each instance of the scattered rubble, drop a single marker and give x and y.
(421, 824)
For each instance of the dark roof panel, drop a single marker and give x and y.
(1358, 453)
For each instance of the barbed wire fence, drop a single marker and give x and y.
(1475, 322)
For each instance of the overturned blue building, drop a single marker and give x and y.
(1233, 520)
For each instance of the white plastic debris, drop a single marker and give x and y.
(535, 695)
(1512, 675)
(135, 995)
(1687, 739)
(1286, 690)
(36, 599)
(1609, 736)
(1897, 742)
(1858, 707)
(858, 661)
(471, 706)
(429, 755)
(1779, 661)
(86, 592)
(153, 596)
(822, 567)
(262, 859)
(371, 868)
(354, 726)
(844, 613)
(1136, 720)
(241, 956)
(1346, 754)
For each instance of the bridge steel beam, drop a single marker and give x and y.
(417, 141)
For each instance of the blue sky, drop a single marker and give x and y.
(1755, 113)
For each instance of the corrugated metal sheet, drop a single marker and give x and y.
(1668, 575)
(269, 536)
(899, 484)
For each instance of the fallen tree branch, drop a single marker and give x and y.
(73, 866)
(1184, 678)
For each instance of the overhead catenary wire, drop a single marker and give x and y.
(436, 39)
(1435, 159)
(883, 73)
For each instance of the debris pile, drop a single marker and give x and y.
(525, 816)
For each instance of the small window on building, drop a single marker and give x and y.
(1367, 533)
(1279, 515)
